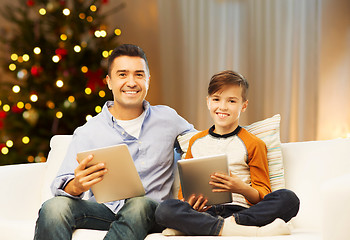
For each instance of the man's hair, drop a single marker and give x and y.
(126, 50)
(226, 78)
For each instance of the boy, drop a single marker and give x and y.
(255, 211)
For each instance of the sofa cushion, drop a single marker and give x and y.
(268, 130)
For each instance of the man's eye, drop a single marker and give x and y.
(122, 75)
(140, 75)
(232, 101)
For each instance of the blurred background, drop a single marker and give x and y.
(294, 53)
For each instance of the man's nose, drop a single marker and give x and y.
(131, 81)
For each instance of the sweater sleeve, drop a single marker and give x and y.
(257, 161)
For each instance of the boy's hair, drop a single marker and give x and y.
(126, 50)
(228, 77)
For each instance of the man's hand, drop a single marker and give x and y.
(85, 177)
(198, 203)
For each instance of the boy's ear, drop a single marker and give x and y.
(208, 104)
(244, 106)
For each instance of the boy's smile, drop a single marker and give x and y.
(225, 108)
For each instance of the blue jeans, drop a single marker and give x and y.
(180, 215)
(60, 216)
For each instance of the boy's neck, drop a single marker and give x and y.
(213, 132)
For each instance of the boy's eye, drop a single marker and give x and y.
(215, 99)
(232, 101)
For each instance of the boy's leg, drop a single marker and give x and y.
(134, 220)
(60, 216)
(179, 215)
(283, 204)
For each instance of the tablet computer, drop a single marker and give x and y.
(195, 177)
(121, 180)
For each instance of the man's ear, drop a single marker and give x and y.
(108, 80)
(244, 106)
(148, 82)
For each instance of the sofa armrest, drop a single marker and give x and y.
(336, 208)
(20, 188)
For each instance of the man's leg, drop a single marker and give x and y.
(179, 215)
(134, 220)
(60, 216)
(283, 204)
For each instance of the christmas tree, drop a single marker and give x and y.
(56, 53)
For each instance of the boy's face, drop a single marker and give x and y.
(129, 81)
(225, 108)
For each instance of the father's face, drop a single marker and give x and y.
(129, 81)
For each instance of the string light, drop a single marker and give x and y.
(20, 105)
(42, 11)
(30, 159)
(102, 93)
(16, 89)
(25, 57)
(105, 54)
(59, 114)
(9, 143)
(63, 37)
(55, 59)
(93, 8)
(82, 15)
(33, 97)
(4, 150)
(25, 140)
(6, 108)
(84, 69)
(88, 117)
(89, 19)
(88, 91)
(20, 59)
(37, 50)
(77, 48)
(59, 83)
(50, 104)
(14, 57)
(28, 106)
(98, 109)
(66, 12)
(12, 67)
(71, 99)
(117, 32)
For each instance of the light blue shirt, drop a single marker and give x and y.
(152, 152)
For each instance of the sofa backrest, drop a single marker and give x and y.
(59, 145)
(308, 165)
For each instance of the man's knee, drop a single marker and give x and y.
(55, 209)
(140, 205)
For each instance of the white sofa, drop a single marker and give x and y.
(318, 172)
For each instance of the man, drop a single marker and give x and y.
(150, 133)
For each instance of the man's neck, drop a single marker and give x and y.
(122, 113)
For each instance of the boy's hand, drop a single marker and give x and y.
(198, 203)
(224, 183)
(85, 176)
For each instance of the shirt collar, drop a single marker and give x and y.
(212, 133)
(111, 120)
